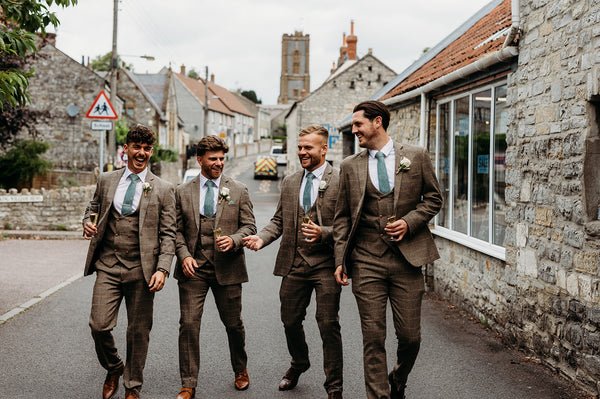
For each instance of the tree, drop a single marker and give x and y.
(19, 21)
(102, 63)
(251, 95)
(193, 74)
(22, 163)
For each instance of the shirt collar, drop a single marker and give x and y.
(317, 172)
(387, 149)
(203, 180)
(141, 175)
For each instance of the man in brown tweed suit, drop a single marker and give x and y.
(214, 213)
(388, 193)
(131, 249)
(305, 259)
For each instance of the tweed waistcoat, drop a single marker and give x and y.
(377, 207)
(315, 254)
(205, 245)
(121, 240)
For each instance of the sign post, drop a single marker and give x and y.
(101, 109)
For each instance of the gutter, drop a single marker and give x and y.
(516, 21)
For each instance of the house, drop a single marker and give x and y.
(352, 80)
(508, 107)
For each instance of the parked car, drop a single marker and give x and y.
(190, 174)
(279, 153)
(265, 166)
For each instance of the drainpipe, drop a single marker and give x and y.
(423, 130)
(516, 20)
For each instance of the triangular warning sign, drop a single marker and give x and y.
(102, 108)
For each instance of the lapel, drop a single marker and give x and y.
(296, 196)
(326, 178)
(109, 196)
(195, 198)
(143, 205)
(399, 154)
(363, 175)
(225, 182)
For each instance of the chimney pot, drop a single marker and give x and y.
(212, 78)
(183, 69)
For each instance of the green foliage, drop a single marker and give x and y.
(251, 95)
(121, 130)
(103, 63)
(164, 154)
(19, 21)
(22, 163)
(193, 74)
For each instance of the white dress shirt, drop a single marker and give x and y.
(122, 189)
(315, 183)
(204, 188)
(390, 164)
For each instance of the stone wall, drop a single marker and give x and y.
(44, 209)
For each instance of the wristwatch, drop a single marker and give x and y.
(160, 269)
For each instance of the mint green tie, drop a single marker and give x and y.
(127, 208)
(382, 176)
(209, 199)
(306, 203)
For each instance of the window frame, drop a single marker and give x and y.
(466, 239)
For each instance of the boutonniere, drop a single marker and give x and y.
(224, 194)
(404, 165)
(322, 187)
(146, 187)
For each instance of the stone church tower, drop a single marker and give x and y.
(295, 76)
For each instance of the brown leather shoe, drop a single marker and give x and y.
(242, 381)
(186, 393)
(111, 385)
(334, 395)
(132, 394)
(290, 379)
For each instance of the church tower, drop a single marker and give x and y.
(295, 76)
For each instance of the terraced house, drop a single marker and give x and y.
(509, 106)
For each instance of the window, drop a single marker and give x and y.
(352, 84)
(470, 162)
(296, 62)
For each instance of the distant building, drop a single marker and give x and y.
(295, 74)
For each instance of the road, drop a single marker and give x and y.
(47, 351)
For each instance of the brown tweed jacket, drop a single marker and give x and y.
(417, 199)
(156, 218)
(285, 219)
(234, 217)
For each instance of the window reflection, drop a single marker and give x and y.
(461, 164)
(480, 189)
(500, 129)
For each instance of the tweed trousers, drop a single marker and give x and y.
(111, 286)
(228, 298)
(294, 294)
(375, 280)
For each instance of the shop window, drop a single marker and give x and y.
(470, 161)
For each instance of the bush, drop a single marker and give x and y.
(22, 163)
(164, 154)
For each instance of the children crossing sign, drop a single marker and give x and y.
(102, 108)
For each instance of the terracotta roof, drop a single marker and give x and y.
(485, 36)
(198, 90)
(230, 99)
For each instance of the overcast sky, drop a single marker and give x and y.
(240, 40)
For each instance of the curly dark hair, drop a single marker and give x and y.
(211, 143)
(373, 109)
(140, 134)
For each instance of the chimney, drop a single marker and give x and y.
(351, 39)
(343, 51)
(183, 70)
(333, 67)
(212, 78)
(370, 51)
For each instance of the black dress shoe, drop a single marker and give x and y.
(334, 395)
(290, 379)
(396, 392)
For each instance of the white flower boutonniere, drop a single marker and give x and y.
(146, 187)
(322, 187)
(224, 194)
(404, 165)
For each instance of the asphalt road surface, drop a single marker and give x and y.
(47, 351)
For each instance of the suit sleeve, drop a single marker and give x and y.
(95, 200)
(167, 226)
(246, 221)
(181, 248)
(342, 222)
(431, 197)
(274, 229)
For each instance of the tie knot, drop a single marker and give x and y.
(310, 176)
(134, 178)
(379, 155)
(210, 183)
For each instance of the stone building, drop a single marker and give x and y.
(295, 72)
(508, 107)
(351, 81)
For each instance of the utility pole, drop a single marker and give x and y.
(114, 68)
(206, 101)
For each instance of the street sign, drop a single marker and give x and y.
(101, 125)
(102, 108)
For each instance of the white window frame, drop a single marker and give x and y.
(486, 247)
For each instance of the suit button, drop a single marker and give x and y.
(380, 216)
(117, 234)
(126, 252)
(115, 249)
(129, 235)
(380, 235)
